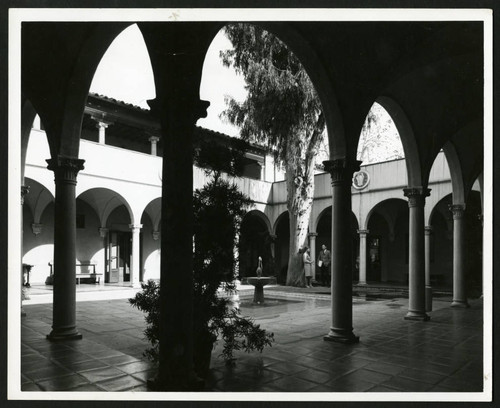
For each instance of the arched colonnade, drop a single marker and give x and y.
(428, 76)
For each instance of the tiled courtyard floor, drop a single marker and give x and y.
(444, 354)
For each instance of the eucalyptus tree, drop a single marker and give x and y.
(281, 111)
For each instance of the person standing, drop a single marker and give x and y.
(307, 266)
(324, 260)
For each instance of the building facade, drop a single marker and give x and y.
(118, 209)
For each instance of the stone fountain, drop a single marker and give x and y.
(259, 282)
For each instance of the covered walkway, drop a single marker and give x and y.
(394, 355)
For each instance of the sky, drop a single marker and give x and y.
(125, 74)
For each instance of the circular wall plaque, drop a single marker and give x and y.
(360, 180)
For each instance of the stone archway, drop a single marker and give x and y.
(387, 242)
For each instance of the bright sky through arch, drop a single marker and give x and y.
(125, 74)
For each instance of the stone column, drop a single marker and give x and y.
(24, 191)
(428, 287)
(362, 256)
(102, 126)
(176, 368)
(64, 291)
(154, 142)
(312, 244)
(416, 263)
(459, 289)
(341, 172)
(134, 263)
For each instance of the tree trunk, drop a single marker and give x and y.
(300, 190)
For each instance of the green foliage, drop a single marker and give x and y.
(282, 106)
(218, 210)
(148, 301)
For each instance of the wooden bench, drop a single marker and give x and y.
(91, 274)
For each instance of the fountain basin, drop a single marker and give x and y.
(259, 282)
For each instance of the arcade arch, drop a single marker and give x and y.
(386, 237)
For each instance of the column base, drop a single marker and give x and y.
(362, 283)
(136, 285)
(23, 313)
(341, 336)
(419, 316)
(461, 304)
(64, 334)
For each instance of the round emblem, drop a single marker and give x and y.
(360, 180)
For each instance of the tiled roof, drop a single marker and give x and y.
(117, 102)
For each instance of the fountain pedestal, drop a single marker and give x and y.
(259, 282)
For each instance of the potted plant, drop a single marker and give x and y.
(218, 210)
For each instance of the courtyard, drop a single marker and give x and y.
(394, 355)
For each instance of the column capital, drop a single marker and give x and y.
(364, 232)
(36, 228)
(313, 235)
(341, 170)
(24, 192)
(65, 168)
(416, 196)
(156, 235)
(458, 211)
(154, 139)
(135, 227)
(103, 232)
(428, 229)
(184, 109)
(101, 123)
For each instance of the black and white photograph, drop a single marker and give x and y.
(249, 204)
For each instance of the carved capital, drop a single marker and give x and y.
(428, 230)
(363, 233)
(416, 196)
(65, 168)
(458, 211)
(24, 191)
(313, 235)
(36, 228)
(341, 170)
(184, 110)
(101, 122)
(103, 232)
(156, 235)
(136, 228)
